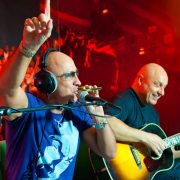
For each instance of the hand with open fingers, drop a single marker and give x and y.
(37, 29)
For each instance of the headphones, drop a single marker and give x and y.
(45, 81)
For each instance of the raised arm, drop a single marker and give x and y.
(36, 31)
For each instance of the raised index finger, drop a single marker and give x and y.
(47, 9)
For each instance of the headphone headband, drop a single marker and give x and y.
(44, 58)
(44, 80)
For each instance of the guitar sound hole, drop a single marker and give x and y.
(154, 156)
(151, 164)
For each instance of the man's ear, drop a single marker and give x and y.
(140, 79)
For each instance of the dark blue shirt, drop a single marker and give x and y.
(133, 112)
(42, 144)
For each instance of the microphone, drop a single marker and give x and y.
(83, 96)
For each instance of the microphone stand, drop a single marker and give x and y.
(6, 111)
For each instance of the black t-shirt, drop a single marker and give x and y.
(133, 112)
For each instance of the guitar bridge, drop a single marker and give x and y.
(136, 156)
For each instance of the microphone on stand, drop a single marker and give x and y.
(83, 96)
(4, 110)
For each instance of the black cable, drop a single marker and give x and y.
(27, 175)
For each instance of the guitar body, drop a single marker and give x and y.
(134, 161)
(124, 167)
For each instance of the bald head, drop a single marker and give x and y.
(152, 69)
(150, 83)
(59, 63)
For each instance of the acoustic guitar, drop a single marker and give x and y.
(134, 161)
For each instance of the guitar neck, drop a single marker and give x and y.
(172, 140)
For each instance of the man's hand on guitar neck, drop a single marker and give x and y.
(125, 133)
(152, 141)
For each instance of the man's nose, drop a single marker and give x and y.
(161, 91)
(77, 81)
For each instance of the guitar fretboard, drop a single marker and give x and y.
(172, 141)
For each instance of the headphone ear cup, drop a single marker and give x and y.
(45, 81)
